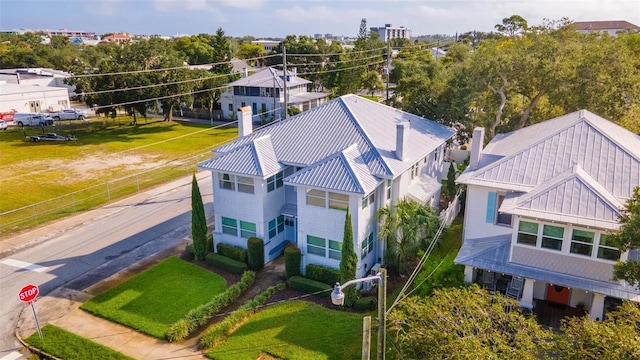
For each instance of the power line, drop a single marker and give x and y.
(158, 98)
(324, 63)
(342, 53)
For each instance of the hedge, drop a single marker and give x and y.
(255, 252)
(322, 274)
(222, 329)
(307, 285)
(189, 251)
(233, 252)
(201, 315)
(365, 303)
(292, 259)
(226, 263)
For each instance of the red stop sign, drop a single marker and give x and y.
(28, 293)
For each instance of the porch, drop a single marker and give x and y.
(550, 313)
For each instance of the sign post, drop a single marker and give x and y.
(28, 295)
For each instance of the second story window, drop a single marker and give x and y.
(552, 237)
(228, 182)
(527, 233)
(582, 242)
(414, 170)
(232, 182)
(606, 250)
(323, 198)
(275, 181)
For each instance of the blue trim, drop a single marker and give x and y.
(278, 247)
(491, 208)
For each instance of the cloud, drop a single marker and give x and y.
(207, 5)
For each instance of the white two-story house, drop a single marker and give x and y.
(540, 203)
(292, 181)
(263, 91)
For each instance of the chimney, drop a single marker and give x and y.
(245, 122)
(402, 140)
(477, 143)
(245, 72)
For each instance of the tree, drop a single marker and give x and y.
(617, 337)
(451, 180)
(406, 227)
(465, 323)
(348, 261)
(198, 222)
(221, 53)
(627, 238)
(372, 82)
(513, 25)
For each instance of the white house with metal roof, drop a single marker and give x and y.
(292, 181)
(264, 91)
(540, 203)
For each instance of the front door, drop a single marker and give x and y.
(290, 229)
(558, 294)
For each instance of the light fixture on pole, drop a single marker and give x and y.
(337, 298)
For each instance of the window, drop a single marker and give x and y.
(552, 237)
(607, 251)
(254, 108)
(502, 218)
(316, 198)
(230, 107)
(388, 189)
(527, 233)
(335, 250)
(414, 170)
(227, 182)
(264, 108)
(316, 245)
(368, 200)
(338, 201)
(229, 226)
(275, 181)
(582, 242)
(276, 226)
(367, 245)
(247, 229)
(245, 184)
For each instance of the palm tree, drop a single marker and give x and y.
(407, 227)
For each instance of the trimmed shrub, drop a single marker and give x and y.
(189, 251)
(322, 274)
(365, 303)
(292, 259)
(233, 252)
(203, 313)
(209, 242)
(226, 263)
(255, 253)
(307, 285)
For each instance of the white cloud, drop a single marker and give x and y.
(207, 5)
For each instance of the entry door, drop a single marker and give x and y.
(558, 294)
(290, 229)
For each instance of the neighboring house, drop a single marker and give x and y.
(237, 66)
(264, 91)
(611, 27)
(31, 99)
(118, 38)
(268, 45)
(540, 203)
(292, 181)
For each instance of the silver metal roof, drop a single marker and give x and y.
(255, 158)
(493, 253)
(423, 188)
(269, 77)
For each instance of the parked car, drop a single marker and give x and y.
(32, 119)
(50, 137)
(69, 114)
(3, 125)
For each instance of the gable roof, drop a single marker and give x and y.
(269, 77)
(604, 25)
(324, 131)
(524, 159)
(255, 158)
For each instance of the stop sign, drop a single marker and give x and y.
(28, 293)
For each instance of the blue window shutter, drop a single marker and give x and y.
(491, 208)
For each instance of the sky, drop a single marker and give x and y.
(278, 18)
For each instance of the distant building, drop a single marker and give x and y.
(117, 38)
(390, 32)
(71, 33)
(611, 27)
(268, 45)
(31, 98)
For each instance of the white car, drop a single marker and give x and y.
(69, 114)
(3, 125)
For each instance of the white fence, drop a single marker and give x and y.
(451, 212)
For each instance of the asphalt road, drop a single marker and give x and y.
(77, 257)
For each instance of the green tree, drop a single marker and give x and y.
(628, 238)
(222, 53)
(617, 337)
(198, 222)
(513, 25)
(348, 261)
(372, 82)
(451, 180)
(406, 227)
(465, 323)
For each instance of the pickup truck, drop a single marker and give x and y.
(69, 114)
(50, 137)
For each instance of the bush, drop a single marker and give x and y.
(201, 315)
(255, 252)
(225, 263)
(322, 274)
(233, 252)
(209, 242)
(365, 303)
(292, 259)
(307, 285)
(189, 251)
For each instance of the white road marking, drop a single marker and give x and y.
(12, 356)
(24, 265)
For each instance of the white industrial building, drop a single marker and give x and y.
(31, 98)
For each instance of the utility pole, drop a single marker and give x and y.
(284, 71)
(388, 65)
(382, 313)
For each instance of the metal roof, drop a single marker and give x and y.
(255, 158)
(269, 77)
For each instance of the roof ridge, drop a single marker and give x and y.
(256, 153)
(349, 166)
(604, 133)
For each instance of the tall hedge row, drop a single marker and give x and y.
(255, 252)
(292, 259)
(234, 252)
(322, 274)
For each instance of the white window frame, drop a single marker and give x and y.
(246, 231)
(227, 228)
(582, 243)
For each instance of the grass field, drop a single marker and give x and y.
(295, 330)
(153, 300)
(69, 346)
(106, 150)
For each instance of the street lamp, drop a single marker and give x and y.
(337, 298)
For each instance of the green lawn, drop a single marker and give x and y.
(295, 330)
(69, 346)
(153, 300)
